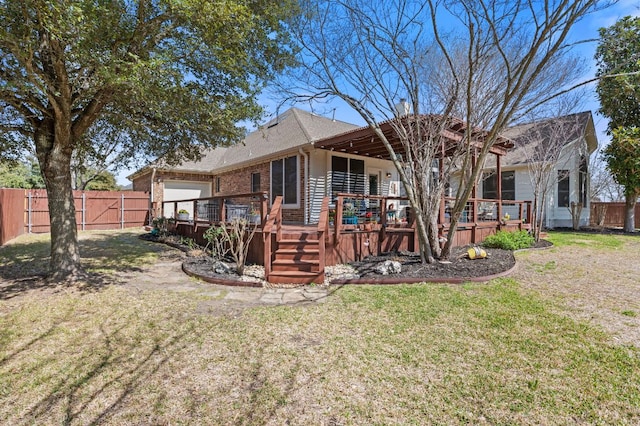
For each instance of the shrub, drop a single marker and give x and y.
(216, 241)
(233, 238)
(509, 240)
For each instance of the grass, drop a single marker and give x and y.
(601, 241)
(102, 252)
(410, 354)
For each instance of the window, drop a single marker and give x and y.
(563, 188)
(347, 175)
(509, 185)
(582, 182)
(490, 186)
(255, 182)
(284, 180)
(217, 189)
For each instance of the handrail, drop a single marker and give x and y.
(371, 197)
(261, 195)
(340, 199)
(323, 226)
(275, 215)
(475, 203)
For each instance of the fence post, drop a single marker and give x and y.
(84, 210)
(121, 211)
(29, 212)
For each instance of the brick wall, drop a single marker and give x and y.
(236, 181)
(239, 181)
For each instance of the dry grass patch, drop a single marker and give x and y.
(371, 355)
(595, 276)
(496, 353)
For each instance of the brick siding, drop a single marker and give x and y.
(236, 181)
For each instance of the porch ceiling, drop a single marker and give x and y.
(365, 142)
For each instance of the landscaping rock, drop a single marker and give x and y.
(389, 267)
(221, 267)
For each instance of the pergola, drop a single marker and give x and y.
(366, 142)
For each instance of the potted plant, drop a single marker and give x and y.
(332, 217)
(254, 215)
(370, 220)
(349, 214)
(183, 214)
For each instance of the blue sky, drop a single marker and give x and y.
(585, 30)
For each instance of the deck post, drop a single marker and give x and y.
(338, 221)
(499, 188)
(520, 215)
(195, 215)
(263, 208)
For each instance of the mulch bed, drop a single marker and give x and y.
(202, 267)
(497, 261)
(459, 267)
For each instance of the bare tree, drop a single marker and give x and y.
(471, 65)
(546, 147)
(602, 185)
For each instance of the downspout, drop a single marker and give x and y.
(153, 177)
(306, 185)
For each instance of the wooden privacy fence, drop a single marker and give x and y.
(27, 211)
(610, 214)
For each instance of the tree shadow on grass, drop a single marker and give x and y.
(24, 264)
(92, 386)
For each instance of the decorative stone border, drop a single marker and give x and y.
(382, 281)
(221, 281)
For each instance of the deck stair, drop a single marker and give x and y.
(296, 258)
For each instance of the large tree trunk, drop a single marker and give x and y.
(54, 156)
(629, 216)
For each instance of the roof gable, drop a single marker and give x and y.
(531, 137)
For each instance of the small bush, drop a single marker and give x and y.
(509, 240)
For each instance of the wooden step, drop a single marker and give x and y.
(296, 277)
(304, 253)
(300, 236)
(295, 265)
(296, 244)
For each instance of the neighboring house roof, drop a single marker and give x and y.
(531, 137)
(292, 129)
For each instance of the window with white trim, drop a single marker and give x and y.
(284, 180)
(563, 188)
(255, 182)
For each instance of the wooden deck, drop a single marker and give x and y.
(297, 253)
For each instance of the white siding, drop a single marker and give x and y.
(320, 177)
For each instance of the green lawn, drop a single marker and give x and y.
(491, 353)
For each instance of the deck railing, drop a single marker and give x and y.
(484, 210)
(361, 209)
(323, 231)
(221, 208)
(274, 219)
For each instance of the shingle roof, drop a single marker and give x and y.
(292, 129)
(529, 137)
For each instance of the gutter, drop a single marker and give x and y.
(306, 185)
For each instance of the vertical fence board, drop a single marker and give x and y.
(614, 215)
(102, 210)
(12, 217)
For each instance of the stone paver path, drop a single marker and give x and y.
(167, 275)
